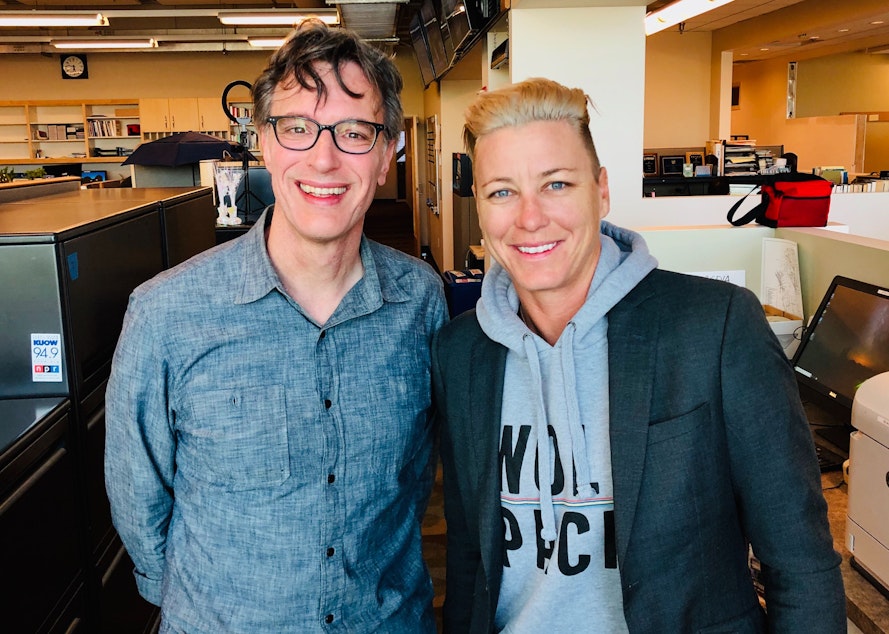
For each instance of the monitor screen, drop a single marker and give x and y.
(62, 169)
(434, 37)
(847, 341)
(421, 50)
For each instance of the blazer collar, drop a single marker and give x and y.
(632, 341)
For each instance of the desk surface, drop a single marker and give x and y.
(865, 606)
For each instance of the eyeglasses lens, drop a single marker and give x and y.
(298, 133)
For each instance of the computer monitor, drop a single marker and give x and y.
(847, 342)
(62, 169)
(421, 50)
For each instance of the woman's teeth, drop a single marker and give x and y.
(538, 249)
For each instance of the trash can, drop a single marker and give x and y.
(462, 289)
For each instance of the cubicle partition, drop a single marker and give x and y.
(68, 263)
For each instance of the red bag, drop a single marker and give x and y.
(788, 200)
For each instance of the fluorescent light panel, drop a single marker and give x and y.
(37, 18)
(275, 18)
(677, 12)
(266, 42)
(106, 43)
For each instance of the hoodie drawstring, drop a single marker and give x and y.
(544, 461)
(578, 436)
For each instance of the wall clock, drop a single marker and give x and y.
(74, 67)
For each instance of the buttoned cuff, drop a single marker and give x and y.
(149, 588)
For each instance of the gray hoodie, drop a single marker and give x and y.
(556, 398)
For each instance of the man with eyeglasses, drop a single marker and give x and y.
(268, 430)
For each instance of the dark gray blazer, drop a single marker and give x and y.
(710, 449)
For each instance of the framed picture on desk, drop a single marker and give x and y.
(672, 165)
(649, 164)
(695, 158)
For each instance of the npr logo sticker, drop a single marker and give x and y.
(46, 358)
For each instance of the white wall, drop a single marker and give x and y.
(601, 50)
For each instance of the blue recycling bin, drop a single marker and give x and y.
(462, 289)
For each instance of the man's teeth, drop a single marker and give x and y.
(538, 249)
(322, 191)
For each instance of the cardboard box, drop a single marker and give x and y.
(786, 326)
(126, 112)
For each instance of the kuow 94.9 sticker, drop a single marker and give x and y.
(46, 358)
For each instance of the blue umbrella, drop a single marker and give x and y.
(184, 148)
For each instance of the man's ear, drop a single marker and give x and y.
(388, 153)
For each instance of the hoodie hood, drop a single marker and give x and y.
(564, 388)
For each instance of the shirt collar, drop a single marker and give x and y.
(377, 285)
(258, 277)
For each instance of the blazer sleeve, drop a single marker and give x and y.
(776, 477)
(467, 600)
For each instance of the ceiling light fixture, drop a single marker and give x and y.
(677, 12)
(106, 43)
(38, 18)
(276, 18)
(266, 42)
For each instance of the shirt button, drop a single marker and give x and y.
(327, 403)
(330, 552)
(330, 478)
(328, 618)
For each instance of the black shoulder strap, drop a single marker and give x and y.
(750, 215)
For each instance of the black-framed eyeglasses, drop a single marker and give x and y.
(351, 136)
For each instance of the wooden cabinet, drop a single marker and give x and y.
(154, 115)
(213, 119)
(169, 115)
(184, 115)
(166, 116)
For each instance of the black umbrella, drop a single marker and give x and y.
(184, 148)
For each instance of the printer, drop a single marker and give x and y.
(867, 531)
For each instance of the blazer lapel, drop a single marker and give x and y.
(486, 398)
(632, 340)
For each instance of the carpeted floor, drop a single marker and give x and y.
(434, 546)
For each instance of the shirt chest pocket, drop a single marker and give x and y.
(235, 438)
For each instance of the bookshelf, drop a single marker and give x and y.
(41, 132)
(112, 129)
(243, 110)
(14, 140)
(57, 130)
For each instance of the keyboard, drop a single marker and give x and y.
(827, 459)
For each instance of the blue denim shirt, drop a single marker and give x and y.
(267, 473)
